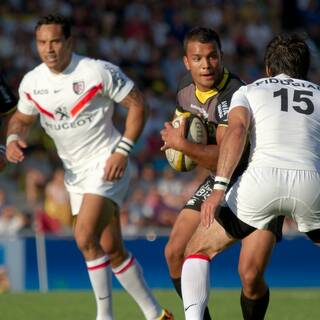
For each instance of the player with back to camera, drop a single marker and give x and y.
(281, 114)
(206, 91)
(74, 97)
(8, 104)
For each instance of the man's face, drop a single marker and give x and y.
(204, 61)
(54, 50)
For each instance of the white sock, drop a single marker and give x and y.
(130, 275)
(100, 277)
(195, 286)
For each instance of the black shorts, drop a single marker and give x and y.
(230, 222)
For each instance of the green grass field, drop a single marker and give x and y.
(293, 304)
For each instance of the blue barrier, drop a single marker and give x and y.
(295, 263)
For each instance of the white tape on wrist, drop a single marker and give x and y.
(221, 179)
(124, 146)
(12, 137)
(221, 183)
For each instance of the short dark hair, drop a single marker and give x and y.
(56, 19)
(289, 54)
(203, 35)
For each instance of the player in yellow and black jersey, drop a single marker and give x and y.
(206, 91)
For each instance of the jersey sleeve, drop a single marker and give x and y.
(116, 85)
(8, 101)
(25, 105)
(239, 98)
(225, 97)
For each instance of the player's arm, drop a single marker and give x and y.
(18, 129)
(204, 155)
(136, 118)
(231, 150)
(233, 142)
(137, 114)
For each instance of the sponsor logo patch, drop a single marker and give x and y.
(223, 109)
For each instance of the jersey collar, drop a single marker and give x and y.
(282, 75)
(71, 66)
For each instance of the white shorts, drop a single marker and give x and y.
(91, 181)
(261, 194)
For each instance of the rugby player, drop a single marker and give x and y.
(282, 117)
(74, 97)
(206, 91)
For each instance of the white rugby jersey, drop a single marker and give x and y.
(285, 126)
(76, 107)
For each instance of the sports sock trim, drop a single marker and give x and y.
(198, 256)
(98, 263)
(126, 267)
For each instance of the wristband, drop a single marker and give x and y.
(221, 183)
(12, 137)
(124, 146)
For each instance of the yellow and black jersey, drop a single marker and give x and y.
(8, 101)
(211, 106)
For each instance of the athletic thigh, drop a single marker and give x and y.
(256, 250)
(111, 238)
(183, 228)
(209, 241)
(94, 215)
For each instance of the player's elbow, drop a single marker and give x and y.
(238, 132)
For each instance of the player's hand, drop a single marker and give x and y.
(115, 166)
(210, 206)
(173, 137)
(15, 152)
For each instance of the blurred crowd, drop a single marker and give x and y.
(145, 39)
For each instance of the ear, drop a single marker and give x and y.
(268, 71)
(186, 63)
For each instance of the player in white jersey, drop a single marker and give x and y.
(74, 97)
(281, 116)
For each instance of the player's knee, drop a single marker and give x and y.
(251, 278)
(174, 253)
(116, 253)
(85, 242)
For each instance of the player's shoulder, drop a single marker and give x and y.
(98, 64)
(234, 81)
(185, 81)
(32, 76)
(232, 84)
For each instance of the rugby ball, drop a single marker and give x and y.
(196, 132)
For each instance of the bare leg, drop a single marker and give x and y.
(94, 215)
(255, 253)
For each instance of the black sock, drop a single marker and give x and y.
(254, 309)
(177, 285)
